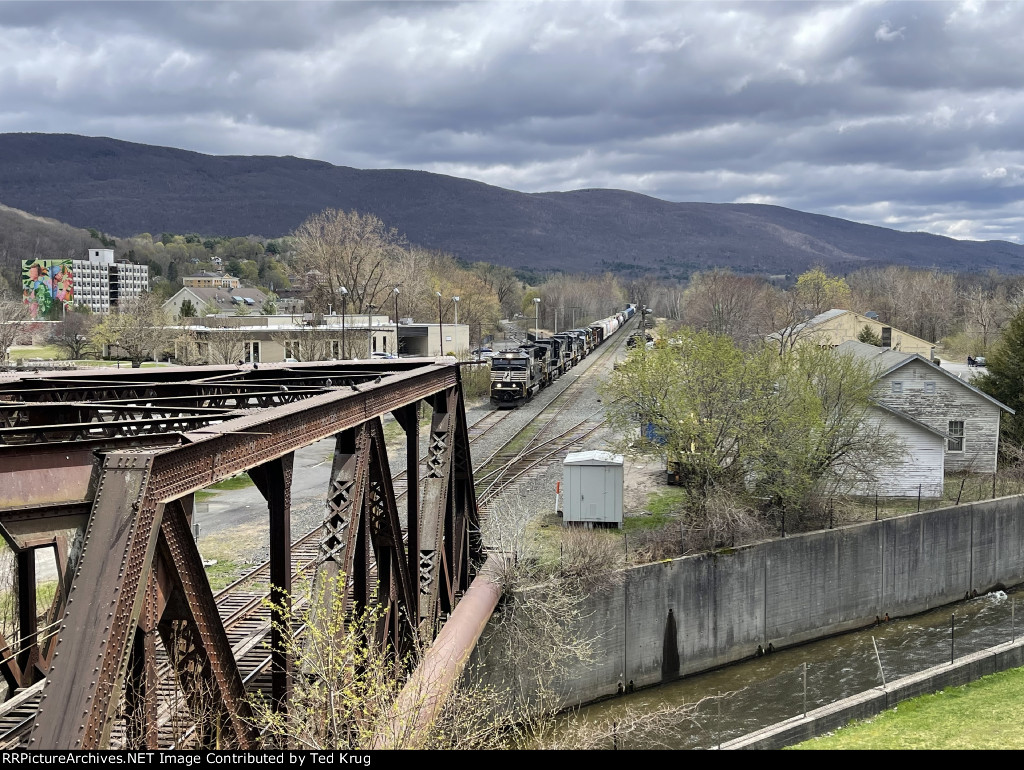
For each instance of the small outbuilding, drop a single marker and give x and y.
(592, 488)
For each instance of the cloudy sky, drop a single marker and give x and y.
(908, 115)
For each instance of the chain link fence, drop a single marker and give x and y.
(958, 489)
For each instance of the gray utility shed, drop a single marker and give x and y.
(593, 488)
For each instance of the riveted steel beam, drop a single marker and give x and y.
(349, 477)
(408, 418)
(135, 512)
(471, 549)
(274, 481)
(396, 582)
(28, 617)
(209, 672)
(90, 656)
(436, 501)
(224, 450)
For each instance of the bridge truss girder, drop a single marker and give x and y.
(139, 577)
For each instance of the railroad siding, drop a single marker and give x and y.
(785, 592)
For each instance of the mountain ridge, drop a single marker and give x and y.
(125, 188)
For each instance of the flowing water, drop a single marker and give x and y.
(770, 689)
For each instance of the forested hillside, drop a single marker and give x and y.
(124, 188)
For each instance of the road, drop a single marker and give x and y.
(230, 509)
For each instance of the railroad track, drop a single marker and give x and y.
(246, 615)
(255, 660)
(505, 466)
(512, 467)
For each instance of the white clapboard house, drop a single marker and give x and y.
(945, 423)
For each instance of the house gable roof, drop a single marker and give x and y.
(829, 315)
(888, 361)
(907, 418)
(219, 298)
(810, 323)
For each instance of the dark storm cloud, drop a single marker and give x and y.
(902, 114)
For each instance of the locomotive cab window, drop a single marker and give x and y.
(508, 363)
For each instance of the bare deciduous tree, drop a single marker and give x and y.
(13, 316)
(725, 303)
(72, 334)
(986, 312)
(351, 250)
(138, 329)
(226, 347)
(506, 286)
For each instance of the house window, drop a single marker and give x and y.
(252, 352)
(291, 349)
(886, 336)
(335, 349)
(929, 388)
(955, 442)
(897, 388)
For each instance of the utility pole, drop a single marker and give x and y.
(643, 328)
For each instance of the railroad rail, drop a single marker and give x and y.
(117, 455)
(132, 413)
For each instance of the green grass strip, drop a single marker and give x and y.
(985, 714)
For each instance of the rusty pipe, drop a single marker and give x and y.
(433, 681)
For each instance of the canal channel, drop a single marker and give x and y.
(738, 699)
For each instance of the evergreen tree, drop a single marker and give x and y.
(867, 335)
(1005, 379)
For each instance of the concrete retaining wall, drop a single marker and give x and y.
(683, 616)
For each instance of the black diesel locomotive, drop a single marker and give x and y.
(517, 375)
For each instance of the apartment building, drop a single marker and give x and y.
(98, 282)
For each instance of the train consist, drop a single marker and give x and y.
(517, 375)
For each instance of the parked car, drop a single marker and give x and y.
(380, 354)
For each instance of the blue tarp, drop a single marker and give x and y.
(652, 434)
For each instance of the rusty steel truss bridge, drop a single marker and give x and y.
(102, 466)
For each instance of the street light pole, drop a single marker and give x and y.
(440, 328)
(344, 306)
(536, 318)
(396, 322)
(369, 329)
(455, 333)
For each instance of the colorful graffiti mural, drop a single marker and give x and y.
(47, 284)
